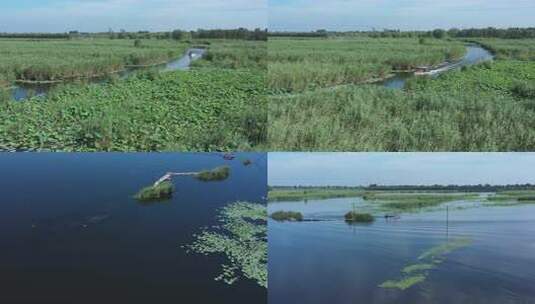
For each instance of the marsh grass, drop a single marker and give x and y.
(46, 60)
(297, 65)
(282, 216)
(487, 107)
(163, 191)
(234, 54)
(217, 174)
(511, 198)
(284, 194)
(242, 238)
(355, 217)
(414, 201)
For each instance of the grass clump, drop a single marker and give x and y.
(242, 238)
(217, 174)
(282, 216)
(160, 192)
(355, 217)
(298, 194)
(414, 201)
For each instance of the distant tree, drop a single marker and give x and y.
(422, 40)
(138, 43)
(177, 34)
(439, 34)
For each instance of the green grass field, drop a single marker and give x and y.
(52, 60)
(299, 194)
(299, 64)
(485, 108)
(214, 106)
(198, 110)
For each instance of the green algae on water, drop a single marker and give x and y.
(242, 238)
(446, 248)
(417, 267)
(414, 274)
(404, 283)
(158, 192)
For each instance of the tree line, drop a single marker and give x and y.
(240, 33)
(490, 32)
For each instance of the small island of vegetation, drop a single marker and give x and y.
(282, 216)
(161, 191)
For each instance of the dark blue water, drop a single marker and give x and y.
(333, 262)
(70, 231)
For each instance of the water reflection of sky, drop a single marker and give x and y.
(351, 169)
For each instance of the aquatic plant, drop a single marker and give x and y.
(417, 268)
(158, 192)
(297, 65)
(287, 216)
(471, 110)
(355, 217)
(48, 60)
(242, 238)
(414, 201)
(404, 283)
(177, 111)
(217, 174)
(414, 274)
(438, 251)
(247, 162)
(298, 194)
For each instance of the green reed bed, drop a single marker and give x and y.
(283, 216)
(158, 192)
(200, 110)
(234, 54)
(477, 109)
(302, 64)
(56, 60)
(299, 194)
(415, 201)
(216, 174)
(517, 49)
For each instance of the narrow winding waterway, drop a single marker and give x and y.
(474, 54)
(22, 91)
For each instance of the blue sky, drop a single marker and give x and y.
(131, 15)
(350, 169)
(305, 15)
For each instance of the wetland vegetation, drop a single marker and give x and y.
(159, 192)
(241, 237)
(319, 99)
(218, 105)
(306, 193)
(282, 216)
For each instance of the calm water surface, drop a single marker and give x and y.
(70, 231)
(330, 261)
